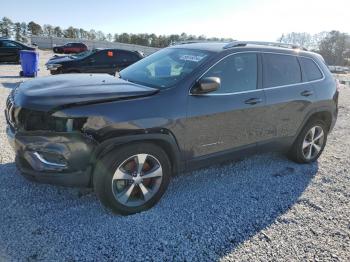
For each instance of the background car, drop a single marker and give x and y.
(339, 69)
(107, 61)
(9, 50)
(70, 48)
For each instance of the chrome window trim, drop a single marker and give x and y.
(263, 88)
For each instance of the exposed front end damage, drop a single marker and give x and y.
(57, 125)
(49, 149)
(57, 158)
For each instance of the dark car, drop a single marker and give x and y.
(70, 48)
(181, 108)
(107, 61)
(9, 50)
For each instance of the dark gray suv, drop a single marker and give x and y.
(181, 108)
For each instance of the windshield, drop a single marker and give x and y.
(83, 54)
(164, 68)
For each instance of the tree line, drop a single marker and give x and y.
(334, 46)
(21, 31)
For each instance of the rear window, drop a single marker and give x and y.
(310, 69)
(280, 70)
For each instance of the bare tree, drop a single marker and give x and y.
(57, 31)
(100, 36)
(302, 39)
(48, 30)
(92, 34)
(334, 48)
(6, 27)
(109, 37)
(34, 28)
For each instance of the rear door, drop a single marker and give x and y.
(232, 117)
(288, 97)
(9, 51)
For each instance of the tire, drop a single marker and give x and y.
(120, 186)
(300, 151)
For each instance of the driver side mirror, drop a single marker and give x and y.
(206, 85)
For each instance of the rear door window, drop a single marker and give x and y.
(310, 69)
(280, 70)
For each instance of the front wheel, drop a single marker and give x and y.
(133, 178)
(310, 143)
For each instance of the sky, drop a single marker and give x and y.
(263, 20)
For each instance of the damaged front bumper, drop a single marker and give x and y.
(54, 158)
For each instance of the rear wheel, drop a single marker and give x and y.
(310, 143)
(133, 178)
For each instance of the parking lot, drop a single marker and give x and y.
(262, 208)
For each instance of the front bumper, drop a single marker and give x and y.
(53, 158)
(54, 71)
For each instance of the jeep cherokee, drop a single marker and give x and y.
(183, 107)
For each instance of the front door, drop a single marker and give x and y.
(232, 117)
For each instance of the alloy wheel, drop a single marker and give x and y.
(313, 142)
(137, 180)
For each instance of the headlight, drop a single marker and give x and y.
(31, 120)
(53, 66)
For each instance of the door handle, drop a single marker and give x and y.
(253, 101)
(307, 93)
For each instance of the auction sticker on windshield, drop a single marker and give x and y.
(193, 58)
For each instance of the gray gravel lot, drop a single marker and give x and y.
(263, 208)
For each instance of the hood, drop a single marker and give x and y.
(53, 92)
(59, 59)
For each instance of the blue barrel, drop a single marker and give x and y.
(29, 62)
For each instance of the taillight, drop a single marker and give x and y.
(337, 82)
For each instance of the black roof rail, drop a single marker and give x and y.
(194, 42)
(185, 42)
(275, 44)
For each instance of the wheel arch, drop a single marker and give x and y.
(165, 141)
(323, 114)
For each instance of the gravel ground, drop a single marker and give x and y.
(263, 208)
